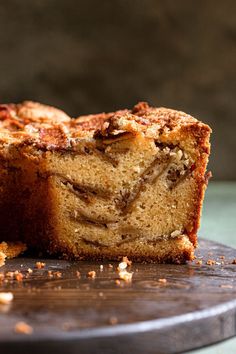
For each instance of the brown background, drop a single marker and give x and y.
(91, 56)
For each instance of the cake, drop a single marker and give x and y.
(128, 183)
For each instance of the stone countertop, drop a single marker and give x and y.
(219, 224)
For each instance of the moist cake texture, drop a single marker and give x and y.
(129, 183)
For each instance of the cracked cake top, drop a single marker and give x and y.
(49, 128)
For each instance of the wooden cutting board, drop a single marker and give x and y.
(195, 307)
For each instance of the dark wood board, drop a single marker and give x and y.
(195, 308)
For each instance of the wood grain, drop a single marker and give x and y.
(194, 308)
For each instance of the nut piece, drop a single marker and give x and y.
(40, 265)
(162, 280)
(18, 276)
(6, 298)
(91, 274)
(23, 328)
(210, 262)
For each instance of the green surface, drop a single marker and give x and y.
(219, 224)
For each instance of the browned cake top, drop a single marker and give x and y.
(50, 128)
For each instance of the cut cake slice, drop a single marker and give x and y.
(129, 183)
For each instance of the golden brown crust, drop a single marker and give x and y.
(49, 128)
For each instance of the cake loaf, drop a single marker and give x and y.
(129, 183)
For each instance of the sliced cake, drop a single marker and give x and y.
(129, 183)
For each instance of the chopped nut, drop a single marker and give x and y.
(117, 281)
(162, 280)
(29, 270)
(234, 261)
(110, 265)
(126, 276)
(78, 274)
(222, 257)
(101, 267)
(6, 298)
(40, 265)
(211, 262)
(91, 274)
(2, 276)
(23, 328)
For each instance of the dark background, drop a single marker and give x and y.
(92, 56)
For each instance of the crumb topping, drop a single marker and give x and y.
(48, 128)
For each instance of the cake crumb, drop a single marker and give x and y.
(78, 274)
(162, 280)
(198, 262)
(234, 261)
(50, 275)
(101, 267)
(117, 281)
(2, 276)
(23, 328)
(10, 275)
(211, 262)
(6, 298)
(29, 270)
(58, 274)
(126, 276)
(91, 274)
(110, 265)
(222, 257)
(18, 276)
(40, 265)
